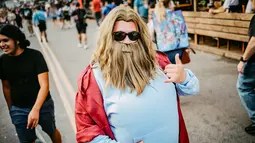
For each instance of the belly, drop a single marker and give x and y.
(151, 117)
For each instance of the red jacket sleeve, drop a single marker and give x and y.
(86, 127)
(162, 59)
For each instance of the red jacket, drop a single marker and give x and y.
(90, 116)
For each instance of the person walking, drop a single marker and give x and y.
(53, 13)
(246, 78)
(18, 18)
(28, 14)
(108, 6)
(142, 8)
(81, 25)
(11, 17)
(25, 81)
(67, 18)
(97, 7)
(39, 20)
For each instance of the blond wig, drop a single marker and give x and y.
(160, 9)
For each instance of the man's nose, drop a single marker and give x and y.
(1, 44)
(127, 40)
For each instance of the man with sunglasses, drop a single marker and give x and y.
(129, 91)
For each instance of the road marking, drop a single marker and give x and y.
(61, 89)
(57, 74)
(63, 74)
(39, 136)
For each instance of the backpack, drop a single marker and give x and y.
(171, 33)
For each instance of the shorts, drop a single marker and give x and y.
(54, 18)
(98, 15)
(61, 16)
(67, 17)
(42, 26)
(81, 28)
(19, 118)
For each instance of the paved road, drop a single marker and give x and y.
(215, 115)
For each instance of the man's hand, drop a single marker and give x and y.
(33, 119)
(211, 11)
(175, 72)
(240, 67)
(140, 142)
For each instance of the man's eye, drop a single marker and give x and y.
(5, 40)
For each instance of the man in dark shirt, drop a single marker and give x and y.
(27, 14)
(246, 78)
(79, 15)
(24, 76)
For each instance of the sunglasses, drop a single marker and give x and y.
(120, 35)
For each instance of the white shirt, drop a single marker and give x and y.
(229, 3)
(249, 7)
(172, 5)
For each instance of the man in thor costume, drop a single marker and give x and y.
(129, 92)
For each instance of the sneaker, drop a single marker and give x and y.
(250, 129)
(85, 46)
(79, 45)
(31, 35)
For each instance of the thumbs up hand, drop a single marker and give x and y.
(175, 72)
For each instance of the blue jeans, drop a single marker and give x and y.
(19, 118)
(246, 88)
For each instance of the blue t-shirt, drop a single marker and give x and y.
(142, 10)
(39, 16)
(108, 8)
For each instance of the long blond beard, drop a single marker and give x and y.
(130, 65)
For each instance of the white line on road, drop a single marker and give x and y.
(39, 136)
(57, 74)
(63, 75)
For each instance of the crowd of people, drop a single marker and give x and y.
(232, 6)
(124, 92)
